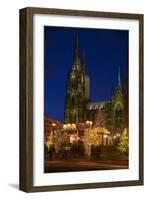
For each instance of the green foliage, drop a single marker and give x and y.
(123, 144)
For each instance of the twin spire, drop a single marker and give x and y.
(77, 62)
(76, 58)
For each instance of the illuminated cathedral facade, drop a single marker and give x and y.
(78, 106)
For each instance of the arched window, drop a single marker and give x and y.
(118, 114)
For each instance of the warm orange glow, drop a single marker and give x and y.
(53, 124)
(89, 122)
(105, 136)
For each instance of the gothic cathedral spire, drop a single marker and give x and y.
(76, 58)
(84, 62)
(75, 109)
(118, 79)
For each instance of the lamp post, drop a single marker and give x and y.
(89, 124)
(52, 132)
(106, 139)
(87, 146)
(117, 137)
(114, 138)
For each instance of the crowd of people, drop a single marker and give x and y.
(73, 150)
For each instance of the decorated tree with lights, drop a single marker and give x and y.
(65, 140)
(123, 144)
(49, 142)
(93, 137)
(99, 119)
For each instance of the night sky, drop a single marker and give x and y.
(105, 50)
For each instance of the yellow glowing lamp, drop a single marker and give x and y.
(90, 122)
(105, 136)
(64, 126)
(73, 125)
(53, 124)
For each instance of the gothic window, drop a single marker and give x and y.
(82, 80)
(72, 93)
(118, 114)
(72, 75)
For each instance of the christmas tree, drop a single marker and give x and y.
(123, 145)
(99, 119)
(93, 137)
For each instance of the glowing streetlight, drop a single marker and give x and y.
(53, 124)
(118, 134)
(114, 138)
(52, 132)
(105, 136)
(89, 122)
(69, 126)
(64, 126)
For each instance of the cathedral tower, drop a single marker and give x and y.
(76, 96)
(118, 105)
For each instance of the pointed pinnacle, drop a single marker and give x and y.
(119, 81)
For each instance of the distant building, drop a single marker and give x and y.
(79, 108)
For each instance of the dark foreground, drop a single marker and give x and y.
(83, 165)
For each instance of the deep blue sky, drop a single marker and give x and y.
(105, 50)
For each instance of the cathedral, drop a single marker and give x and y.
(79, 108)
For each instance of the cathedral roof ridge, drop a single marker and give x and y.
(99, 102)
